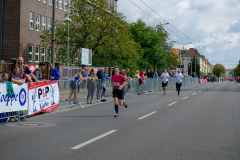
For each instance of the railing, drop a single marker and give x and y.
(97, 91)
(102, 90)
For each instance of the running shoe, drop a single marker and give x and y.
(116, 115)
(164, 93)
(125, 105)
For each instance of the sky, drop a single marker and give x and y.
(211, 26)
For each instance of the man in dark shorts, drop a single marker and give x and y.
(164, 76)
(118, 81)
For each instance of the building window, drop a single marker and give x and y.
(65, 5)
(44, 23)
(37, 22)
(44, 1)
(109, 4)
(49, 55)
(30, 50)
(183, 58)
(37, 54)
(43, 54)
(31, 21)
(69, 8)
(50, 2)
(115, 6)
(60, 4)
(49, 24)
(56, 3)
(188, 59)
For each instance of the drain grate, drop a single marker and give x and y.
(29, 124)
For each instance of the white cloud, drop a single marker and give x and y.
(215, 23)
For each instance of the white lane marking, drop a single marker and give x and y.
(147, 115)
(94, 139)
(194, 93)
(200, 91)
(185, 97)
(172, 104)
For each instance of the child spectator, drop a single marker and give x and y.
(15, 75)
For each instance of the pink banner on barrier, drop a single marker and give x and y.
(203, 81)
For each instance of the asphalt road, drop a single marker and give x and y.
(202, 123)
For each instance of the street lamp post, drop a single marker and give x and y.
(68, 19)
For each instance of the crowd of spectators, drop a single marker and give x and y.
(20, 73)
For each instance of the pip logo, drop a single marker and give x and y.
(43, 92)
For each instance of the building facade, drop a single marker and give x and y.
(186, 57)
(23, 21)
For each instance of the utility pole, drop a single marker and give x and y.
(53, 33)
(191, 66)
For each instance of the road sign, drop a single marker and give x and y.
(180, 66)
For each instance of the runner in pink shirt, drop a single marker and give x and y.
(118, 81)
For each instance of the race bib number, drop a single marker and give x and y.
(116, 84)
(164, 81)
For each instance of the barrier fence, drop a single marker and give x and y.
(87, 92)
(101, 90)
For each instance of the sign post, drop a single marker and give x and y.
(86, 56)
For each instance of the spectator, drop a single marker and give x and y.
(129, 84)
(170, 74)
(85, 69)
(99, 83)
(15, 75)
(149, 73)
(73, 85)
(25, 76)
(155, 75)
(149, 79)
(90, 85)
(0, 78)
(103, 82)
(141, 82)
(4, 77)
(54, 73)
(113, 73)
(38, 71)
(27, 70)
(138, 81)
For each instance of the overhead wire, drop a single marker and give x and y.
(156, 20)
(176, 28)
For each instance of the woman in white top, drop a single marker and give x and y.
(164, 76)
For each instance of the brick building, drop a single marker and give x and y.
(23, 21)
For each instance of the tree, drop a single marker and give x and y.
(237, 70)
(218, 70)
(154, 46)
(197, 71)
(93, 26)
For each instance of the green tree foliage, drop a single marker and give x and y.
(154, 46)
(93, 26)
(237, 70)
(197, 70)
(218, 70)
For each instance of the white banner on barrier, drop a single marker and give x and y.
(18, 102)
(43, 97)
